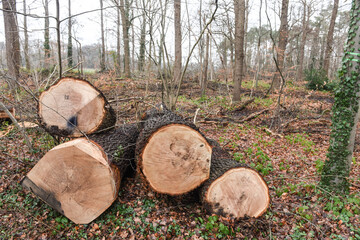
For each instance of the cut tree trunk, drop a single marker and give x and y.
(78, 179)
(234, 189)
(172, 155)
(75, 178)
(73, 107)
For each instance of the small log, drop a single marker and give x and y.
(4, 115)
(172, 155)
(73, 107)
(234, 189)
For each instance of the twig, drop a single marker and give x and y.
(243, 106)
(126, 99)
(27, 141)
(196, 113)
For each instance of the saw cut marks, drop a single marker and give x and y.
(73, 106)
(239, 192)
(76, 179)
(176, 159)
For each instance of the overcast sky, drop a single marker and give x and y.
(87, 26)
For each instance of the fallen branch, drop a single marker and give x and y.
(26, 138)
(231, 120)
(243, 106)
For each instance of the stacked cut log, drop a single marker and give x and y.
(174, 158)
(233, 189)
(74, 107)
(81, 178)
(172, 155)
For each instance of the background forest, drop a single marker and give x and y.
(260, 77)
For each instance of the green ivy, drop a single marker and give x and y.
(336, 169)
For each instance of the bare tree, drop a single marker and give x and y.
(26, 38)
(69, 47)
(12, 40)
(178, 39)
(47, 51)
(305, 23)
(330, 37)
(142, 37)
(239, 8)
(118, 41)
(58, 34)
(283, 39)
(102, 57)
(206, 65)
(125, 19)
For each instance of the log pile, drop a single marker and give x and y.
(81, 178)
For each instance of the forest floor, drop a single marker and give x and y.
(287, 145)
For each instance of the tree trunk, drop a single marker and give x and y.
(239, 8)
(172, 155)
(69, 47)
(26, 39)
(47, 35)
(124, 11)
(118, 43)
(314, 53)
(305, 22)
(346, 112)
(12, 41)
(258, 58)
(78, 178)
(283, 39)
(102, 57)
(142, 40)
(330, 37)
(234, 189)
(73, 107)
(58, 37)
(178, 50)
(206, 65)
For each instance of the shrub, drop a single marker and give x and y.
(317, 80)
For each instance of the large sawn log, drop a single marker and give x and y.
(73, 107)
(172, 155)
(233, 188)
(78, 178)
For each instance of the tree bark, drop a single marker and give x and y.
(124, 11)
(69, 47)
(102, 57)
(58, 37)
(239, 8)
(330, 37)
(47, 51)
(314, 52)
(346, 112)
(26, 38)
(233, 189)
(305, 23)
(142, 40)
(283, 39)
(178, 50)
(172, 155)
(118, 42)
(12, 42)
(73, 107)
(206, 65)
